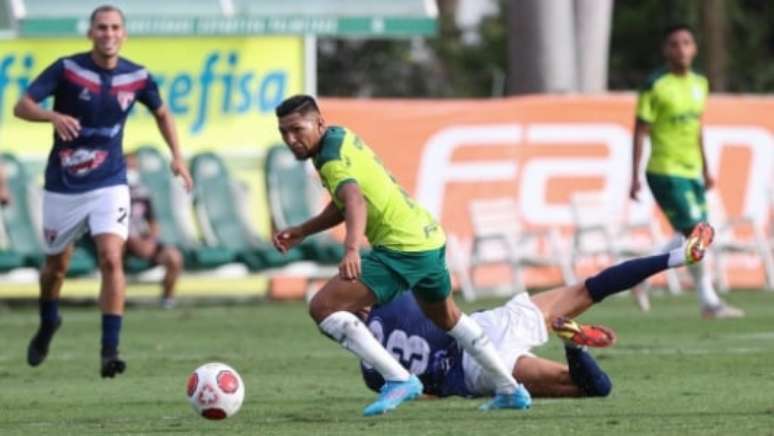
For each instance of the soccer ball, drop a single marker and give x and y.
(215, 390)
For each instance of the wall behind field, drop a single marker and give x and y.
(541, 149)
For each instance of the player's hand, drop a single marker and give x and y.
(349, 268)
(634, 191)
(287, 239)
(179, 169)
(67, 127)
(709, 182)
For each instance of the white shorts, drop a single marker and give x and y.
(514, 329)
(66, 217)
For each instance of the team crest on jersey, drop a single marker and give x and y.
(697, 94)
(81, 161)
(85, 95)
(50, 235)
(125, 99)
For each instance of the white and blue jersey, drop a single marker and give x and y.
(100, 100)
(420, 347)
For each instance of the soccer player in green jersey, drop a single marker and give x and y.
(408, 247)
(669, 108)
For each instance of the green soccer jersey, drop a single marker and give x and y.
(394, 220)
(673, 106)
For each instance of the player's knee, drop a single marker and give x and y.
(319, 309)
(444, 314)
(54, 271)
(110, 261)
(56, 265)
(174, 260)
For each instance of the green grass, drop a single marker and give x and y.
(672, 373)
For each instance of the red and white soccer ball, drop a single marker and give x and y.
(215, 391)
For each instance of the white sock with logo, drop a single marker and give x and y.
(346, 329)
(476, 343)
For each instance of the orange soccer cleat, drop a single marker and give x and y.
(696, 244)
(583, 334)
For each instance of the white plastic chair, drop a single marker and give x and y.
(727, 241)
(602, 231)
(499, 238)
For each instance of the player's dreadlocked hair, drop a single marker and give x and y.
(301, 103)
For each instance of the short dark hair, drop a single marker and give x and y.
(677, 27)
(300, 103)
(105, 8)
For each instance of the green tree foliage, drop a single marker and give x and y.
(445, 66)
(638, 26)
(439, 67)
(751, 46)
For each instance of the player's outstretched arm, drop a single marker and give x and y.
(288, 238)
(66, 126)
(166, 123)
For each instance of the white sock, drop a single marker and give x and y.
(676, 242)
(473, 339)
(676, 257)
(703, 283)
(346, 329)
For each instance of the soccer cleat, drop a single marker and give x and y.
(519, 400)
(583, 334)
(696, 244)
(112, 366)
(721, 311)
(37, 350)
(393, 394)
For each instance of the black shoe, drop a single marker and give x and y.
(111, 366)
(38, 348)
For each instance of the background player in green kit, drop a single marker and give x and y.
(670, 107)
(407, 253)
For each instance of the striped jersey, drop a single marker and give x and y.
(100, 100)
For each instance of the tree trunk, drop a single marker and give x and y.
(541, 48)
(592, 43)
(715, 31)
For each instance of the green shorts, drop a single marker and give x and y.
(681, 199)
(388, 273)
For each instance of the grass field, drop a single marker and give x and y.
(672, 373)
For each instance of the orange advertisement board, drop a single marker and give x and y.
(541, 149)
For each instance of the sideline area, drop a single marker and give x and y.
(188, 286)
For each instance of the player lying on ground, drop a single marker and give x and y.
(445, 369)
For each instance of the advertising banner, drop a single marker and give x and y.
(222, 90)
(542, 149)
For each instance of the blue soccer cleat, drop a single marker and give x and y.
(518, 400)
(392, 394)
